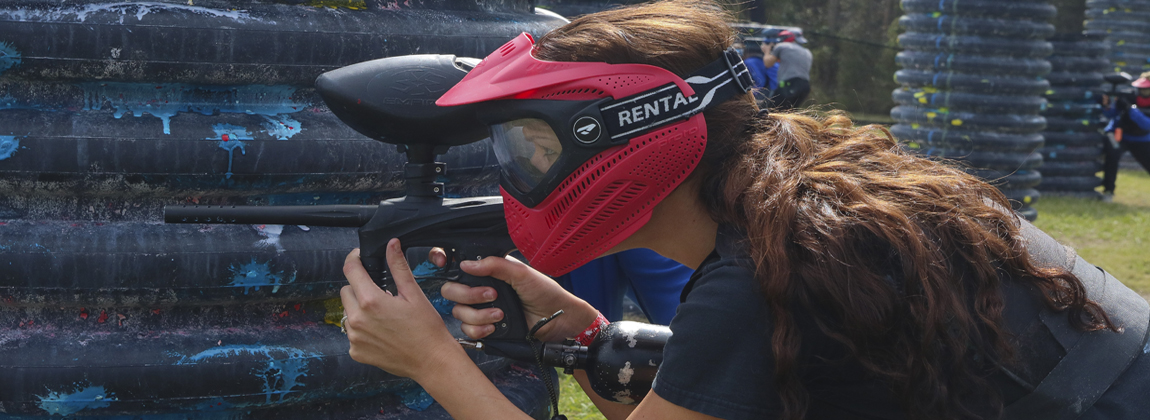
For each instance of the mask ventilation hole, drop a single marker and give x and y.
(577, 189)
(575, 94)
(616, 82)
(615, 197)
(660, 163)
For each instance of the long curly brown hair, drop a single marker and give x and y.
(830, 210)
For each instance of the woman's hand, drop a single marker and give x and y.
(541, 297)
(403, 334)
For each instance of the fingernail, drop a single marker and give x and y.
(467, 264)
(498, 314)
(489, 295)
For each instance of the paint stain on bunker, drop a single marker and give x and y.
(282, 371)
(66, 403)
(254, 275)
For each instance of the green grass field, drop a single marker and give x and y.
(1114, 236)
(573, 403)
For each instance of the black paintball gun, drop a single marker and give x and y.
(392, 100)
(1120, 89)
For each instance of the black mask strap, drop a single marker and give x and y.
(713, 84)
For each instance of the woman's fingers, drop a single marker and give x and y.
(400, 334)
(507, 269)
(467, 295)
(401, 271)
(437, 256)
(477, 332)
(361, 283)
(350, 303)
(474, 316)
(476, 322)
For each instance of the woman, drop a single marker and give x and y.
(836, 276)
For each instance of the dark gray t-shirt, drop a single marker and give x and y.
(719, 360)
(794, 61)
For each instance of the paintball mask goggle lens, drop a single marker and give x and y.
(527, 149)
(1144, 92)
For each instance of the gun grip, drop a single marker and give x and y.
(377, 269)
(513, 326)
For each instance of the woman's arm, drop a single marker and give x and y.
(542, 296)
(655, 407)
(462, 389)
(404, 335)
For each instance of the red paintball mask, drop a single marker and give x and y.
(588, 149)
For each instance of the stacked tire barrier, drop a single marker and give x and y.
(1073, 152)
(1125, 25)
(112, 110)
(972, 88)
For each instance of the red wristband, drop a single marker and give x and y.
(584, 338)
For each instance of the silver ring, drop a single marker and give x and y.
(342, 322)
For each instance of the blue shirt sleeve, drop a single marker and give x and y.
(657, 281)
(773, 76)
(1140, 118)
(599, 282)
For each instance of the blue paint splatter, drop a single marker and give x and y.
(166, 100)
(282, 127)
(256, 275)
(426, 269)
(66, 404)
(442, 305)
(9, 57)
(283, 371)
(8, 146)
(416, 398)
(230, 137)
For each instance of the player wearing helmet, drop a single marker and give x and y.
(837, 276)
(794, 69)
(1130, 125)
